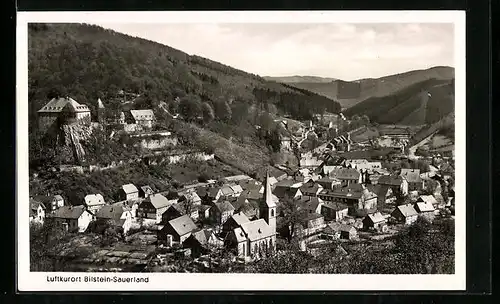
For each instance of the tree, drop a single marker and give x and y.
(208, 112)
(289, 217)
(222, 110)
(190, 107)
(273, 139)
(43, 241)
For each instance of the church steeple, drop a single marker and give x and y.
(268, 204)
(267, 192)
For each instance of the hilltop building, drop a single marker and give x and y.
(62, 111)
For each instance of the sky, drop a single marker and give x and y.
(345, 51)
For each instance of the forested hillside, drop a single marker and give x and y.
(88, 62)
(425, 102)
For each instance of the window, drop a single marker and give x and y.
(272, 212)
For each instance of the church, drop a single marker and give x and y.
(255, 239)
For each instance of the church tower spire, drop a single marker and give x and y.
(268, 204)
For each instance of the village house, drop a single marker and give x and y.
(310, 188)
(383, 192)
(375, 221)
(180, 208)
(329, 183)
(287, 192)
(61, 111)
(310, 204)
(220, 212)
(115, 215)
(93, 202)
(425, 210)
(334, 211)
(143, 118)
(153, 206)
(202, 242)
(347, 176)
(145, 191)
(405, 214)
(235, 221)
(360, 202)
(37, 211)
(189, 196)
(311, 224)
(51, 202)
(340, 231)
(72, 218)
(397, 184)
(250, 207)
(412, 176)
(429, 199)
(128, 192)
(176, 231)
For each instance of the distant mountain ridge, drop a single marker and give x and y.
(424, 102)
(299, 79)
(362, 89)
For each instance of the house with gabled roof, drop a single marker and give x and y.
(342, 231)
(178, 209)
(310, 204)
(311, 223)
(284, 191)
(428, 199)
(425, 210)
(116, 215)
(412, 176)
(93, 202)
(397, 184)
(221, 211)
(311, 188)
(37, 211)
(177, 230)
(145, 191)
(128, 192)
(346, 175)
(72, 218)
(405, 214)
(235, 221)
(375, 221)
(334, 211)
(202, 242)
(153, 206)
(51, 202)
(145, 118)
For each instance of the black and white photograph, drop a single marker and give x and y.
(220, 150)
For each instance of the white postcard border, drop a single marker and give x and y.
(38, 281)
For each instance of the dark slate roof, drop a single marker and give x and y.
(111, 212)
(335, 206)
(391, 180)
(345, 173)
(69, 212)
(224, 206)
(309, 203)
(411, 175)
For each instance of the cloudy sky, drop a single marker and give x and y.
(344, 51)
